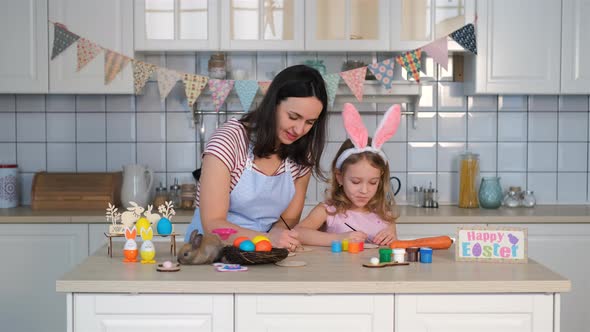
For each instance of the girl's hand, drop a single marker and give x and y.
(282, 238)
(354, 236)
(385, 236)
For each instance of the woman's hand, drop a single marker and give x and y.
(282, 238)
(354, 236)
(385, 236)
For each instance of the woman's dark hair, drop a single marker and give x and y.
(294, 81)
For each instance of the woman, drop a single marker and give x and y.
(255, 170)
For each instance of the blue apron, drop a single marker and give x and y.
(257, 200)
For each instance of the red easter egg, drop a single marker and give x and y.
(239, 240)
(263, 245)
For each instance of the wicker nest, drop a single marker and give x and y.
(236, 256)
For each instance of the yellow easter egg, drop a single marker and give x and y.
(142, 223)
(259, 238)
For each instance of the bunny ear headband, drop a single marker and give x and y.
(358, 132)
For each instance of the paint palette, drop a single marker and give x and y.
(174, 268)
(385, 264)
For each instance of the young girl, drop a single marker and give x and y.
(358, 205)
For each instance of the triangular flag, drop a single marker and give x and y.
(383, 72)
(113, 64)
(411, 62)
(246, 91)
(166, 81)
(355, 79)
(264, 86)
(62, 39)
(193, 85)
(439, 51)
(219, 91)
(332, 81)
(87, 51)
(466, 38)
(141, 74)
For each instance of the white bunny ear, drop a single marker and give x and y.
(388, 126)
(354, 126)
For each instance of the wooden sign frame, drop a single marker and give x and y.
(496, 244)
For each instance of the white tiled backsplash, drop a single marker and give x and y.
(536, 142)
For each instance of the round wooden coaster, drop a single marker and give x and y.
(370, 246)
(291, 263)
(174, 268)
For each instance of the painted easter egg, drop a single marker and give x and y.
(259, 238)
(263, 245)
(476, 250)
(247, 245)
(164, 226)
(239, 240)
(142, 224)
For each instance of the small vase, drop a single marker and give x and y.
(490, 193)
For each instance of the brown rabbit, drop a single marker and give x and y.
(201, 249)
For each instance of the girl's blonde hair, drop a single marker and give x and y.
(382, 203)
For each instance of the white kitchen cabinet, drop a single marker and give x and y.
(281, 312)
(474, 312)
(262, 25)
(176, 25)
(575, 52)
(34, 256)
(108, 23)
(519, 48)
(345, 25)
(152, 312)
(23, 59)
(415, 23)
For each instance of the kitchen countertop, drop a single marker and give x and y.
(325, 273)
(408, 215)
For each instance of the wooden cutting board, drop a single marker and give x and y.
(75, 191)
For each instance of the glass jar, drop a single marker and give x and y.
(216, 66)
(469, 172)
(490, 193)
(161, 196)
(528, 199)
(512, 199)
(174, 195)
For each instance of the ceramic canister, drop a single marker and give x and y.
(8, 186)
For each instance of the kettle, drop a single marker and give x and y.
(137, 185)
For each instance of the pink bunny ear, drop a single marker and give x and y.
(387, 127)
(354, 126)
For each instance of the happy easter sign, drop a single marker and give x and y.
(491, 244)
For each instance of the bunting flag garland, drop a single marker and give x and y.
(141, 74)
(113, 64)
(62, 39)
(263, 86)
(193, 85)
(411, 62)
(383, 72)
(355, 79)
(166, 81)
(332, 81)
(466, 38)
(439, 51)
(87, 51)
(246, 91)
(219, 91)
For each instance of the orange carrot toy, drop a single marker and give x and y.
(435, 242)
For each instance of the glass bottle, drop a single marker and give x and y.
(512, 199)
(468, 177)
(528, 199)
(161, 196)
(174, 195)
(216, 66)
(490, 193)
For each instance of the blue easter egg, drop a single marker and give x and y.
(476, 250)
(247, 245)
(164, 227)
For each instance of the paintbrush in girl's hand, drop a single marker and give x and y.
(354, 230)
(289, 228)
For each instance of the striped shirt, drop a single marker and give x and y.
(229, 144)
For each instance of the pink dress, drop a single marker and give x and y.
(367, 222)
